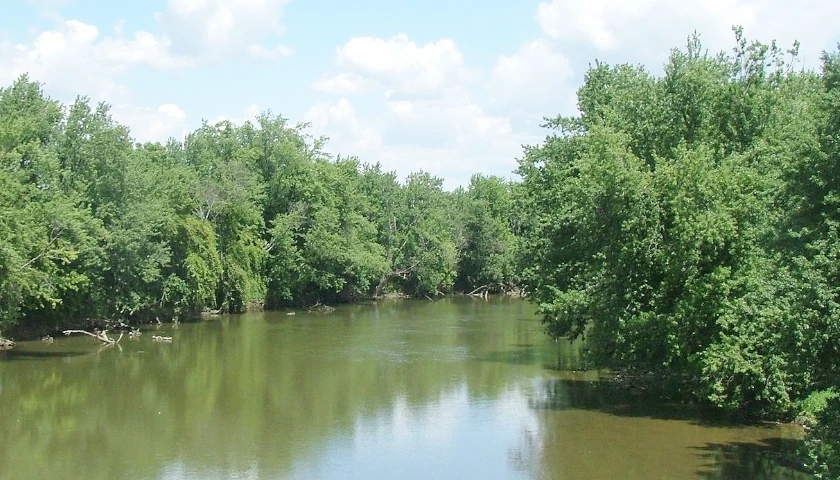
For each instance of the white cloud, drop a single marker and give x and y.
(451, 138)
(142, 49)
(68, 59)
(641, 31)
(263, 53)
(607, 23)
(430, 121)
(449, 122)
(346, 83)
(397, 65)
(348, 135)
(152, 124)
(536, 78)
(211, 29)
(76, 56)
(249, 114)
(594, 20)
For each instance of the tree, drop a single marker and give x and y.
(487, 252)
(665, 225)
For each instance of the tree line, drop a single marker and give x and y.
(688, 225)
(95, 225)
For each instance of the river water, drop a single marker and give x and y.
(453, 389)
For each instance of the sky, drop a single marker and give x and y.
(451, 87)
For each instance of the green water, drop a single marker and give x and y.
(458, 388)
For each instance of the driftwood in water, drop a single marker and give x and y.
(6, 344)
(483, 291)
(504, 288)
(321, 308)
(101, 335)
(158, 338)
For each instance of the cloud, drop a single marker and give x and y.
(433, 114)
(207, 30)
(642, 31)
(152, 124)
(69, 60)
(192, 33)
(451, 138)
(397, 65)
(346, 83)
(448, 122)
(339, 121)
(426, 118)
(606, 24)
(249, 114)
(76, 58)
(536, 78)
(263, 53)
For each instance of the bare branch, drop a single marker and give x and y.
(102, 336)
(54, 235)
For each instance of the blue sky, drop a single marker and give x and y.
(451, 87)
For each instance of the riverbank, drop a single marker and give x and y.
(34, 330)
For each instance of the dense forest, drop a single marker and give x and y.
(687, 225)
(93, 225)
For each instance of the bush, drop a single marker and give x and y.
(823, 442)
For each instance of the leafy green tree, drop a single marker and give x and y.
(416, 231)
(487, 252)
(664, 225)
(230, 196)
(46, 236)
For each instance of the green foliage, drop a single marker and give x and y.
(93, 225)
(824, 440)
(813, 405)
(688, 225)
(46, 236)
(488, 242)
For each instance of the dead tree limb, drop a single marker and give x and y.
(478, 291)
(102, 336)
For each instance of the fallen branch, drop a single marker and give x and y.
(480, 289)
(321, 308)
(158, 338)
(102, 336)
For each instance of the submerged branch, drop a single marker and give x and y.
(6, 344)
(102, 336)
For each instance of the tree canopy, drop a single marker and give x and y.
(686, 224)
(95, 225)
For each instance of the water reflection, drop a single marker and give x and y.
(452, 389)
(594, 430)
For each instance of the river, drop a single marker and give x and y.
(458, 388)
